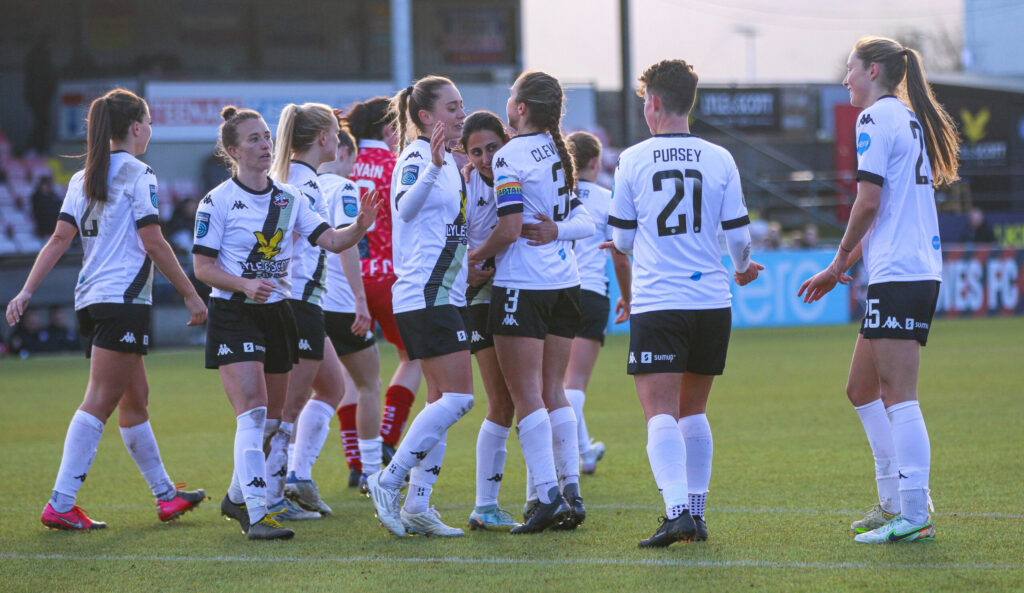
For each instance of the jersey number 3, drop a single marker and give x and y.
(677, 179)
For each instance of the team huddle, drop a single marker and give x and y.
(502, 260)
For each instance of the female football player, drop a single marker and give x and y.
(113, 203)
(906, 143)
(673, 192)
(535, 303)
(243, 249)
(428, 213)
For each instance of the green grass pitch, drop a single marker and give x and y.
(792, 470)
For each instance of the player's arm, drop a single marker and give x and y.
(207, 271)
(412, 195)
(579, 225)
(48, 257)
(508, 193)
(622, 214)
(350, 265)
(624, 278)
(163, 257)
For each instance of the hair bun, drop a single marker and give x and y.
(228, 112)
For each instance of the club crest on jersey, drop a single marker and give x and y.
(269, 247)
(863, 143)
(152, 195)
(202, 224)
(349, 206)
(409, 174)
(282, 199)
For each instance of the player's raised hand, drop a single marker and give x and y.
(437, 145)
(369, 204)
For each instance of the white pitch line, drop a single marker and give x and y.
(607, 507)
(516, 561)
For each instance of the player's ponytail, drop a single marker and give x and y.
(543, 96)
(940, 134)
(407, 104)
(902, 73)
(297, 131)
(110, 116)
(282, 156)
(366, 120)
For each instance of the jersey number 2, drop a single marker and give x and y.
(920, 177)
(677, 178)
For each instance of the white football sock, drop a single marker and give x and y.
(913, 450)
(424, 432)
(565, 445)
(291, 455)
(577, 397)
(879, 431)
(423, 476)
(311, 432)
(667, 454)
(80, 444)
(699, 450)
(370, 451)
(250, 466)
(531, 490)
(277, 463)
(535, 439)
(490, 462)
(141, 445)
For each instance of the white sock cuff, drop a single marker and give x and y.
(458, 403)
(561, 416)
(695, 426)
(661, 421)
(571, 394)
(895, 408)
(254, 418)
(270, 427)
(130, 431)
(495, 429)
(320, 407)
(533, 420)
(286, 428)
(89, 420)
(870, 406)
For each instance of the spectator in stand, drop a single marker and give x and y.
(978, 229)
(27, 337)
(179, 227)
(45, 206)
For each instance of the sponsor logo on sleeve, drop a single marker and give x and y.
(863, 142)
(152, 195)
(202, 224)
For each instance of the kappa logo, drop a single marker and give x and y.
(500, 162)
(866, 119)
(128, 338)
(436, 470)
(312, 184)
(281, 472)
(632, 358)
(208, 199)
(414, 155)
(82, 477)
(510, 319)
(224, 350)
(476, 337)
(481, 202)
(148, 171)
(257, 482)
(304, 344)
(891, 323)
(495, 478)
(348, 187)
(239, 205)
(419, 454)
(461, 335)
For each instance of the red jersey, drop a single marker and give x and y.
(372, 170)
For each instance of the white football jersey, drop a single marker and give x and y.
(115, 266)
(590, 258)
(677, 190)
(902, 244)
(430, 250)
(250, 232)
(342, 198)
(481, 218)
(529, 179)
(309, 262)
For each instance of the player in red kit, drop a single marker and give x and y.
(373, 168)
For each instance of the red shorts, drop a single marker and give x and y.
(378, 301)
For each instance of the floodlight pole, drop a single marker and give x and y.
(628, 134)
(401, 43)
